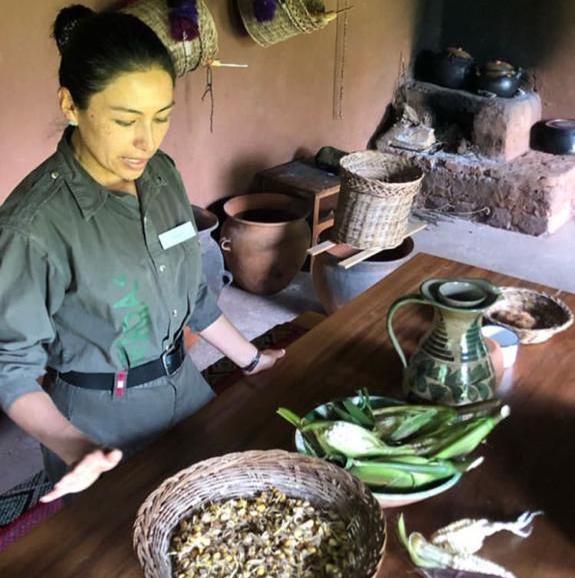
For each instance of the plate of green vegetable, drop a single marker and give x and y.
(404, 452)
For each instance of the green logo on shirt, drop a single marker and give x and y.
(133, 345)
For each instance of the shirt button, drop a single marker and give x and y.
(174, 312)
(162, 268)
(54, 175)
(145, 220)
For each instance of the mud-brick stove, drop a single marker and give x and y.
(485, 169)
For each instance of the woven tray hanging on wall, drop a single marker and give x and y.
(188, 54)
(288, 19)
(375, 199)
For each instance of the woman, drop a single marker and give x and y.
(100, 268)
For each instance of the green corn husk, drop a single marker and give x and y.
(309, 440)
(348, 411)
(478, 409)
(408, 474)
(465, 437)
(358, 414)
(416, 558)
(395, 424)
(290, 417)
(342, 414)
(412, 425)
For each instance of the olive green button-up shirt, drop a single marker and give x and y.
(85, 283)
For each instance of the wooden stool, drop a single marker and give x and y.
(305, 180)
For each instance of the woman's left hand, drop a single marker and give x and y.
(268, 359)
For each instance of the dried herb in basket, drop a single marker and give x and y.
(267, 535)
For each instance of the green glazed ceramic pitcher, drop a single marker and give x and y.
(451, 364)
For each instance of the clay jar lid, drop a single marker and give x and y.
(458, 52)
(498, 68)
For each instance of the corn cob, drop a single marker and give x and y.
(350, 440)
(426, 555)
(466, 536)
(409, 474)
(465, 438)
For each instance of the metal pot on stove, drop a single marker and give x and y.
(452, 68)
(499, 78)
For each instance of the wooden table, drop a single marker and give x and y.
(528, 460)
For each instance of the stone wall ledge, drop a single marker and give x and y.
(533, 194)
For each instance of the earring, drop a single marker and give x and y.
(72, 123)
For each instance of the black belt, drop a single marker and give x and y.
(167, 364)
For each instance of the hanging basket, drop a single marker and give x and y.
(374, 203)
(292, 17)
(188, 55)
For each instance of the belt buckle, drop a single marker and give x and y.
(168, 364)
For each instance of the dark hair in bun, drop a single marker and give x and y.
(66, 21)
(97, 47)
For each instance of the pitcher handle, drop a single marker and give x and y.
(227, 278)
(405, 300)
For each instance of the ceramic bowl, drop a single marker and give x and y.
(507, 340)
(386, 499)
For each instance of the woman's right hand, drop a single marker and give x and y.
(36, 414)
(84, 472)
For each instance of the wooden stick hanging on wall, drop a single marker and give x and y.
(339, 65)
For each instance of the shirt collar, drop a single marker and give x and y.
(89, 194)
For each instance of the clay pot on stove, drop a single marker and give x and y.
(334, 286)
(452, 68)
(499, 78)
(212, 259)
(264, 239)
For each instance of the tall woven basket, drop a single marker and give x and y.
(186, 55)
(375, 200)
(244, 475)
(292, 17)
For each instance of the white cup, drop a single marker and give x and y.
(507, 340)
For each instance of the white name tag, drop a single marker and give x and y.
(177, 235)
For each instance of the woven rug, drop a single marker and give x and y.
(20, 509)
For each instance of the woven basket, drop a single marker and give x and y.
(244, 475)
(550, 315)
(292, 17)
(187, 55)
(374, 203)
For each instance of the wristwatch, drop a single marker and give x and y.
(253, 363)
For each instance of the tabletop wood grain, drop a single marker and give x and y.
(528, 459)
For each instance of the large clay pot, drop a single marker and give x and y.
(212, 260)
(334, 286)
(264, 240)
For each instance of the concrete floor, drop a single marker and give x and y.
(546, 260)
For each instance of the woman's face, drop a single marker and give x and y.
(123, 126)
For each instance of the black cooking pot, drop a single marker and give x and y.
(555, 136)
(453, 68)
(499, 78)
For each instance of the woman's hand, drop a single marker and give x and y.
(268, 358)
(84, 473)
